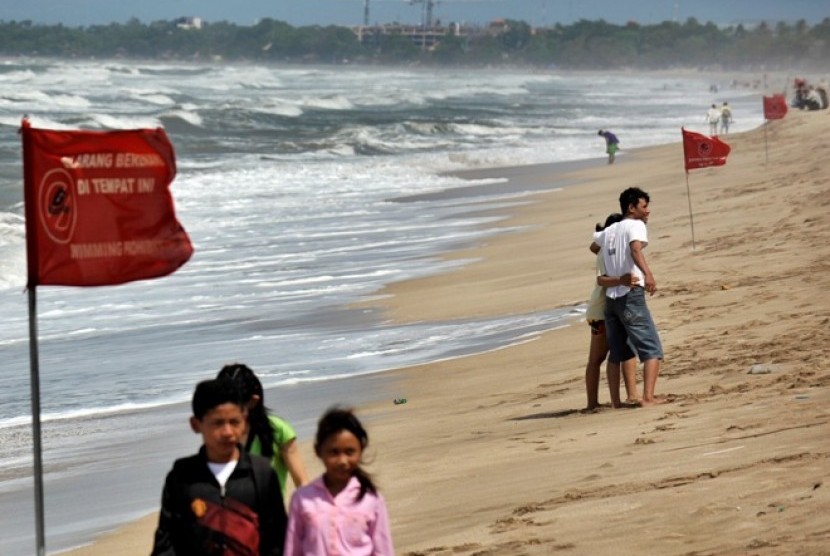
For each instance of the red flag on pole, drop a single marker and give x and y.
(775, 107)
(98, 206)
(701, 151)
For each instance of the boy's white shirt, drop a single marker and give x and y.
(222, 471)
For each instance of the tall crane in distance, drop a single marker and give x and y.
(428, 7)
(366, 9)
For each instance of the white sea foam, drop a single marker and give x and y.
(12, 251)
(108, 121)
(79, 414)
(337, 102)
(189, 116)
(158, 99)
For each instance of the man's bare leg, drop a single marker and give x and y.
(651, 368)
(629, 373)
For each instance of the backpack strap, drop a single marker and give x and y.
(261, 473)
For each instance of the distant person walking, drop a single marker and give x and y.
(713, 117)
(612, 144)
(725, 118)
(626, 315)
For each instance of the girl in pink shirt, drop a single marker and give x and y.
(340, 513)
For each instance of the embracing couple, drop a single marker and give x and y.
(621, 323)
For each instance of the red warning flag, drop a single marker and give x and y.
(775, 107)
(702, 151)
(98, 206)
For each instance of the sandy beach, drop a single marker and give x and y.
(491, 453)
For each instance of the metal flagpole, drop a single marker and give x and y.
(691, 218)
(38, 461)
(766, 151)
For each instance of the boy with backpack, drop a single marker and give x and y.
(222, 500)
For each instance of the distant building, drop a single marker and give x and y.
(426, 38)
(188, 22)
(498, 27)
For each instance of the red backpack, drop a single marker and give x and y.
(236, 522)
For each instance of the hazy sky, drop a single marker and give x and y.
(350, 12)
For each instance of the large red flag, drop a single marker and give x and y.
(98, 206)
(701, 151)
(775, 107)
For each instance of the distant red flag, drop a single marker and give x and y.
(701, 151)
(98, 206)
(775, 107)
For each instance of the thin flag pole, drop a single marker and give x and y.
(34, 360)
(766, 150)
(691, 217)
(34, 365)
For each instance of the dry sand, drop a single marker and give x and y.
(491, 454)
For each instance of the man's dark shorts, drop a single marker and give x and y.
(627, 319)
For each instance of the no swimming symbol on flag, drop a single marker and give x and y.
(56, 207)
(701, 151)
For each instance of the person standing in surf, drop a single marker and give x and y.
(612, 144)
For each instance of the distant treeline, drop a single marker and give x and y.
(583, 45)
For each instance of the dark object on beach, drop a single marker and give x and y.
(399, 401)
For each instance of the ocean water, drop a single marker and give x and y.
(290, 183)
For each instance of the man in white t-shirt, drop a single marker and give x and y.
(626, 315)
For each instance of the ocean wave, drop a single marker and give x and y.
(176, 71)
(155, 98)
(31, 100)
(92, 412)
(382, 98)
(189, 116)
(39, 121)
(278, 107)
(12, 251)
(18, 76)
(108, 121)
(336, 102)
